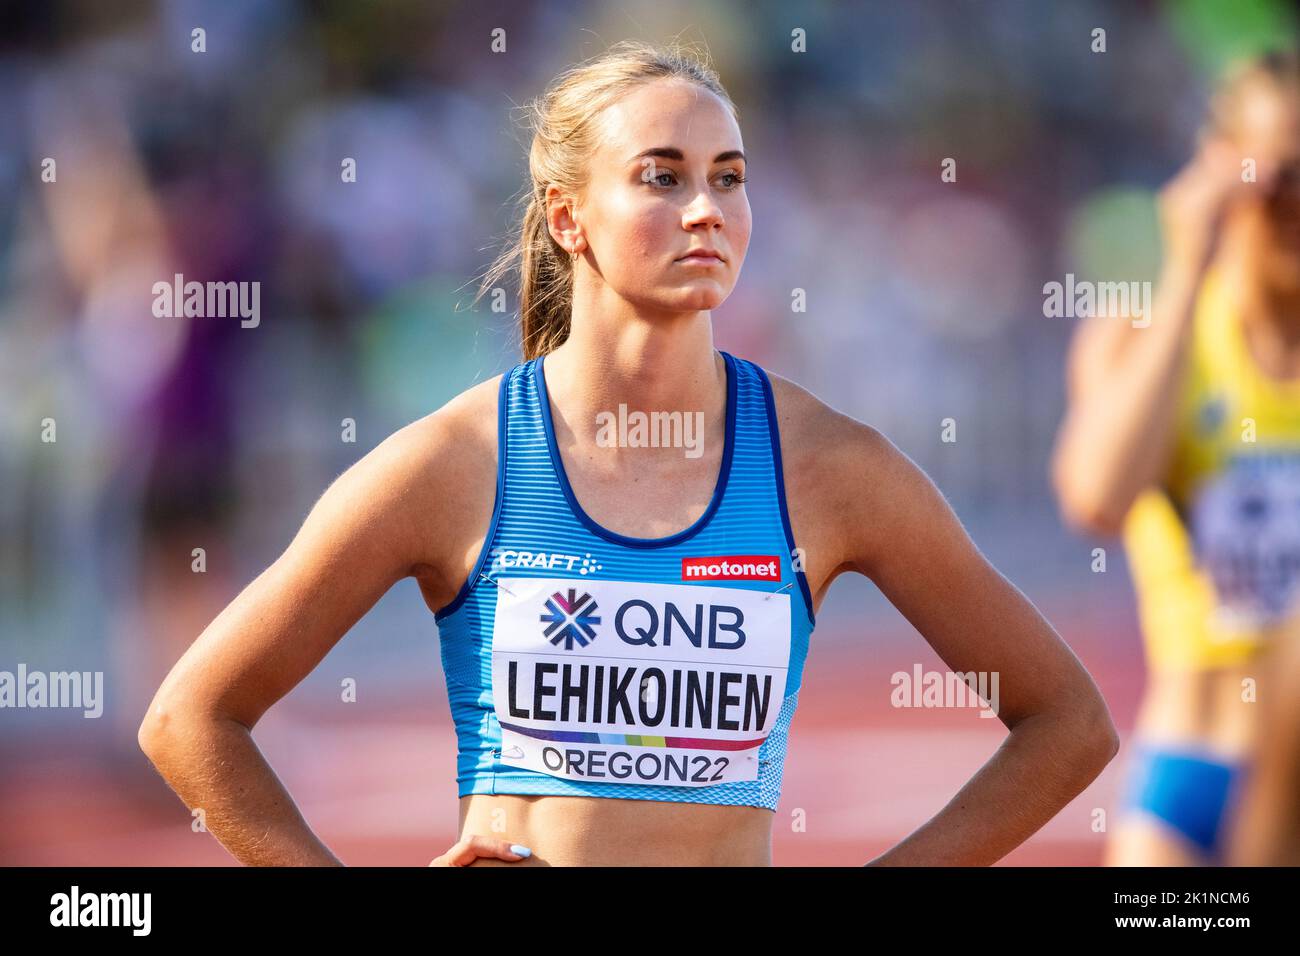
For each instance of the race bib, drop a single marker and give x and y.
(1246, 528)
(632, 683)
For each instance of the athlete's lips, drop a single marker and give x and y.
(702, 255)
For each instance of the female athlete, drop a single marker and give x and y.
(1184, 437)
(606, 536)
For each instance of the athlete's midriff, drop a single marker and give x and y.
(1213, 708)
(601, 831)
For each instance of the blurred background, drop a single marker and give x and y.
(924, 302)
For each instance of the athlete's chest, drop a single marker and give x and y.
(643, 497)
(1240, 495)
(1238, 437)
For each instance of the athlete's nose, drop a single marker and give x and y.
(703, 211)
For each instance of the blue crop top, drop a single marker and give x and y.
(584, 662)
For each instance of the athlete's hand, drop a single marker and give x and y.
(1193, 203)
(468, 849)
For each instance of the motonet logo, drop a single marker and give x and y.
(735, 567)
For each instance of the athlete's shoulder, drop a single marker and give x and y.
(813, 430)
(442, 466)
(440, 475)
(845, 480)
(462, 428)
(472, 414)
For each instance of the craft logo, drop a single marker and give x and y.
(738, 567)
(570, 619)
(548, 560)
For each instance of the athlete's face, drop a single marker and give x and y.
(663, 182)
(1269, 126)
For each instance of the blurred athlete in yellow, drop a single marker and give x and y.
(1184, 437)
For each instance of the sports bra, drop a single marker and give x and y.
(1215, 548)
(583, 662)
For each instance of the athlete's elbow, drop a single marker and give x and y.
(1087, 509)
(1084, 504)
(166, 723)
(1102, 734)
(1096, 521)
(154, 727)
(1082, 730)
(1093, 734)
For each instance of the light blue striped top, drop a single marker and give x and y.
(570, 634)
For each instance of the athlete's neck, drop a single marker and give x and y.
(1269, 306)
(666, 364)
(1270, 319)
(1262, 300)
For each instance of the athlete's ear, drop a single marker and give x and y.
(562, 219)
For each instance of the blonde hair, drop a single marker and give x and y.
(1277, 70)
(564, 135)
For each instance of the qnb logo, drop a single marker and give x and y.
(640, 623)
(570, 619)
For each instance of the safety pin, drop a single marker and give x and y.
(778, 590)
(497, 583)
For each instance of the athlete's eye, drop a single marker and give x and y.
(733, 179)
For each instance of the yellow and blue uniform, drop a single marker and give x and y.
(1214, 549)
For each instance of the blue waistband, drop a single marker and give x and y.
(1188, 787)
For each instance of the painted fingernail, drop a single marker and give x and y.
(518, 850)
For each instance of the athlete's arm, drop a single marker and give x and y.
(1122, 380)
(899, 531)
(1265, 827)
(410, 507)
